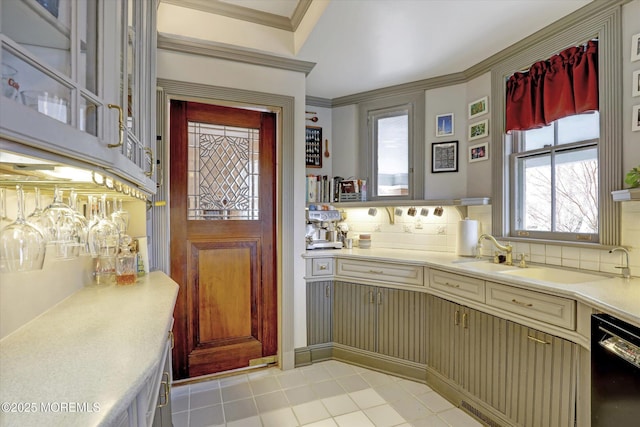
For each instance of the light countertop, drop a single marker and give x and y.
(82, 362)
(611, 294)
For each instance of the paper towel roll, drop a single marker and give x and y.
(467, 237)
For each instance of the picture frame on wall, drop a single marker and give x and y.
(479, 152)
(444, 125)
(635, 47)
(444, 157)
(479, 107)
(636, 84)
(635, 120)
(313, 147)
(479, 130)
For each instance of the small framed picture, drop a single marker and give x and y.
(479, 130)
(479, 152)
(635, 47)
(635, 120)
(636, 84)
(479, 107)
(444, 157)
(444, 124)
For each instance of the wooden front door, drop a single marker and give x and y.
(223, 253)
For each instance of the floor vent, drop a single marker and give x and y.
(479, 414)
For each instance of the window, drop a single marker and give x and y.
(555, 176)
(392, 147)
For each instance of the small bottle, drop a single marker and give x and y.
(126, 265)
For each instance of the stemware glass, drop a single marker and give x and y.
(37, 217)
(81, 223)
(103, 236)
(120, 216)
(23, 245)
(4, 218)
(63, 234)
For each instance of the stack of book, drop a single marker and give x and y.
(326, 189)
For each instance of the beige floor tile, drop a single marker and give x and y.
(458, 418)
(354, 419)
(338, 405)
(311, 412)
(281, 418)
(367, 398)
(384, 416)
(435, 402)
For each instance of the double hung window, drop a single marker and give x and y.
(555, 174)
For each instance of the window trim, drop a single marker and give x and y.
(414, 103)
(605, 25)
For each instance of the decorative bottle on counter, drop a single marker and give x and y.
(126, 264)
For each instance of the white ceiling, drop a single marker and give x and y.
(361, 45)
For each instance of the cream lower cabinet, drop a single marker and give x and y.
(319, 312)
(468, 348)
(380, 320)
(501, 370)
(541, 378)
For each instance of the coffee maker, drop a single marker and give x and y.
(322, 232)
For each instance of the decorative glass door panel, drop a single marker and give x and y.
(223, 174)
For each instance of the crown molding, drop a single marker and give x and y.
(315, 101)
(231, 53)
(246, 14)
(595, 8)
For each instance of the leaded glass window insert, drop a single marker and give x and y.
(223, 172)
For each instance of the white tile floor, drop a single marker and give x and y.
(326, 394)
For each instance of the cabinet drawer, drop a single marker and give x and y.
(322, 267)
(546, 308)
(381, 271)
(463, 286)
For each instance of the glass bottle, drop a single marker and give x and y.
(126, 265)
(103, 239)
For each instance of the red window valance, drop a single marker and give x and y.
(564, 85)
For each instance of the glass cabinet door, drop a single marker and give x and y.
(50, 58)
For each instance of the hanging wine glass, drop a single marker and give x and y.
(103, 236)
(23, 245)
(120, 216)
(4, 216)
(81, 223)
(63, 233)
(37, 217)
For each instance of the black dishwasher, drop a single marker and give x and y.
(615, 372)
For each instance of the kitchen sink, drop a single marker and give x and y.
(483, 265)
(553, 275)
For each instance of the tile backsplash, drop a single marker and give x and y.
(438, 233)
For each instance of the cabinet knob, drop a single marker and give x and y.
(120, 126)
(323, 266)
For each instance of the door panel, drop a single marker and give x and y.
(222, 188)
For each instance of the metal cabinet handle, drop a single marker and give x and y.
(120, 126)
(456, 317)
(149, 151)
(379, 297)
(465, 321)
(173, 339)
(538, 340)
(454, 285)
(326, 291)
(370, 297)
(376, 271)
(165, 392)
(524, 304)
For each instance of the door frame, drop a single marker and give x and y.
(283, 107)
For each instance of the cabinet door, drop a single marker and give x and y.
(354, 315)
(319, 312)
(402, 324)
(443, 322)
(542, 371)
(483, 356)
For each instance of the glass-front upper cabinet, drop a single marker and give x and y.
(137, 67)
(50, 59)
(78, 78)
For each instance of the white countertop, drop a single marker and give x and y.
(95, 348)
(613, 295)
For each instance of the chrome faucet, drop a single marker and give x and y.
(507, 248)
(626, 271)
